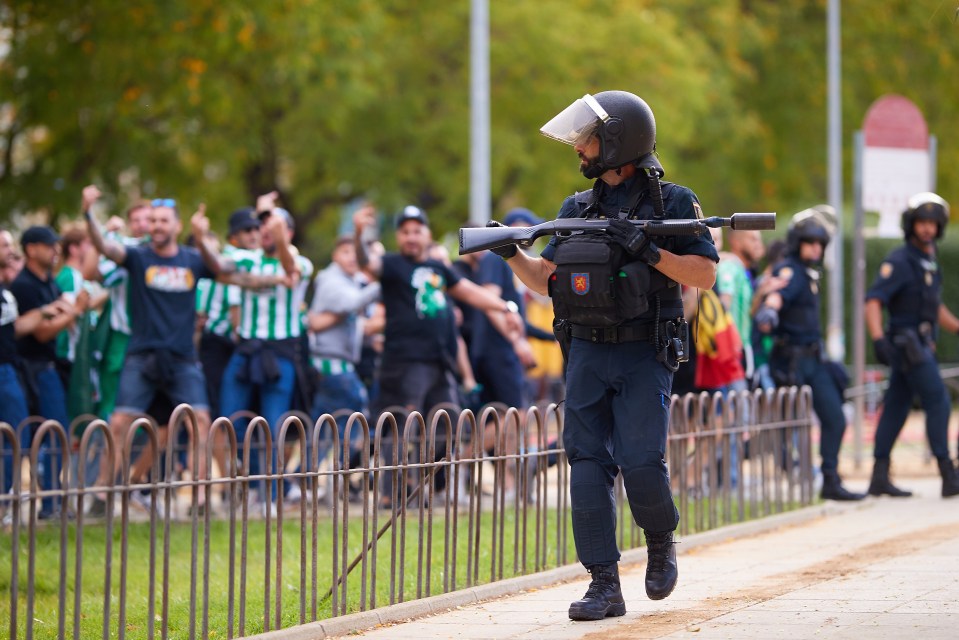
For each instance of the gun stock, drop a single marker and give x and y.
(480, 238)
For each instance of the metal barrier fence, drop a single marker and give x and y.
(464, 499)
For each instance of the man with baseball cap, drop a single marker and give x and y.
(219, 303)
(35, 288)
(420, 348)
(265, 360)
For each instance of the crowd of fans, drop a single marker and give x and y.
(119, 321)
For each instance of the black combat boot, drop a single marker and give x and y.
(832, 488)
(603, 597)
(881, 485)
(661, 569)
(950, 478)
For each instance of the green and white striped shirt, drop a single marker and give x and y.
(116, 279)
(271, 313)
(70, 282)
(214, 299)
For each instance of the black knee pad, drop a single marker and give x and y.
(594, 514)
(650, 498)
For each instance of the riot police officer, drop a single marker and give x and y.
(909, 286)
(617, 300)
(797, 357)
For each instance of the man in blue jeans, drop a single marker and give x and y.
(35, 288)
(13, 325)
(270, 324)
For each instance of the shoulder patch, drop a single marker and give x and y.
(786, 273)
(699, 210)
(885, 270)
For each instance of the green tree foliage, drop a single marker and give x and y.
(334, 100)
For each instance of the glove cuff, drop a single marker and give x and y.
(651, 255)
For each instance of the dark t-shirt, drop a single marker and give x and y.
(8, 316)
(163, 299)
(31, 292)
(419, 315)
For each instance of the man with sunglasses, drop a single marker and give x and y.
(270, 323)
(160, 356)
(617, 297)
(218, 305)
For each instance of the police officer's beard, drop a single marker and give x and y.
(590, 168)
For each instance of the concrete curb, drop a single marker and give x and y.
(408, 611)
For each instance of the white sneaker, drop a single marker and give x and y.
(268, 507)
(294, 495)
(142, 500)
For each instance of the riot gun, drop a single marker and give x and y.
(478, 239)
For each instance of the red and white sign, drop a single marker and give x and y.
(896, 162)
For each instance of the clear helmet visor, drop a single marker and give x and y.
(574, 124)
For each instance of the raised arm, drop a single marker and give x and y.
(276, 226)
(110, 248)
(200, 227)
(365, 218)
(224, 267)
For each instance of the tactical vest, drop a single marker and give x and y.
(596, 283)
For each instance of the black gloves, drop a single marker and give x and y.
(885, 350)
(505, 252)
(631, 238)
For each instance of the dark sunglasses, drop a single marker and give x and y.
(164, 202)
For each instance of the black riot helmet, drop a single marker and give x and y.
(925, 206)
(622, 121)
(809, 225)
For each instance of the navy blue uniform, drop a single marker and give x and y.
(909, 285)
(797, 354)
(617, 403)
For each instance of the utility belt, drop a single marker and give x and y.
(788, 351)
(785, 360)
(670, 338)
(614, 335)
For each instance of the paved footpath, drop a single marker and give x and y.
(882, 568)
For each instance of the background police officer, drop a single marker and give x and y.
(909, 285)
(619, 293)
(797, 356)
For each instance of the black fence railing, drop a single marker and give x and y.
(405, 508)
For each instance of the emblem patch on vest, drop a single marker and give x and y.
(580, 282)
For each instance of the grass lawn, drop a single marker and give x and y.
(555, 551)
(47, 580)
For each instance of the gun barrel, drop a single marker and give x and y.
(752, 221)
